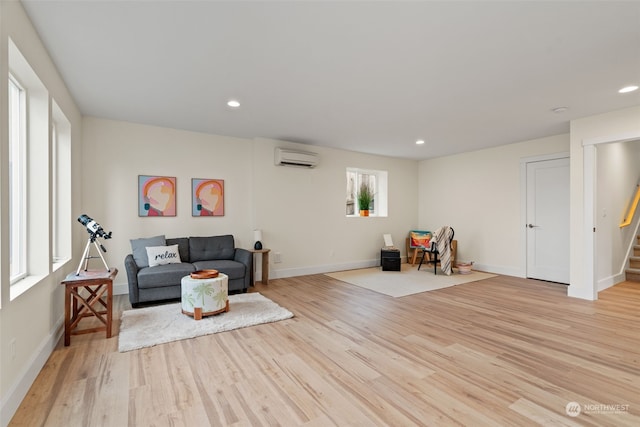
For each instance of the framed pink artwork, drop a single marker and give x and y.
(156, 195)
(207, 197)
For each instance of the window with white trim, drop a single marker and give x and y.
(17, 182)
(29, 162)
(60, 185)
(377, 182)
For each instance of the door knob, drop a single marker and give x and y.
(531, 225)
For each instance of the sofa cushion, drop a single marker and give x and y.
(233, 269)
(160, 255)
(139, 249)
(183, 247)
(163, 275)
(211, 248)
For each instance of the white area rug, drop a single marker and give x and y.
(408, 281)
(149, 326)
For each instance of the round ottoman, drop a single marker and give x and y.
(204, 297)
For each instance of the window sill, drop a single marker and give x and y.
(22, 286)
(57, 265)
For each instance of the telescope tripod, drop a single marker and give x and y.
(86, 256)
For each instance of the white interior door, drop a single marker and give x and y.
(548, 220)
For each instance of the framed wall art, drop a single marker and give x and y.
(156, 195)
(207, 197)
(419, 239)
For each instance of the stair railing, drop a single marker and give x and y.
(632, 209)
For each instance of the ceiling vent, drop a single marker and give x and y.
(287, 157)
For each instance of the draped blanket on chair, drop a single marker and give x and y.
(442, 238)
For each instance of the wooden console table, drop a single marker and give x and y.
(78, 306)
(265, 265)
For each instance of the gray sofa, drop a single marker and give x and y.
(162, 282)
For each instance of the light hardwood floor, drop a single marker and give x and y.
(504, 351)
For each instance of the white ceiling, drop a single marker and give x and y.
(365, 76)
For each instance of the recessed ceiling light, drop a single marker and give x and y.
(628, 89)
(233, 103)
(559, 109)
(420, 142)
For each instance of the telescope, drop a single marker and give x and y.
(95, 231)
(93, 228)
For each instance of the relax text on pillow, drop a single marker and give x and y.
(160, 255)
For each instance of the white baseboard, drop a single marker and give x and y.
(16, 393)
(498, 269)
(320, 269)
(608, 282)
(274, 273)
(329, 268)
(581, 293)
(121, 288)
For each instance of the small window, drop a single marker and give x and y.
(377, 181)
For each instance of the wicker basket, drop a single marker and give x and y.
(464, 267)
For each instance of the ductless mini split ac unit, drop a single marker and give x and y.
(287, 157)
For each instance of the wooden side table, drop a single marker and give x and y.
(78, 306)
(265, 265)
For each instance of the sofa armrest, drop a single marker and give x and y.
(132, 276)
(246, 258)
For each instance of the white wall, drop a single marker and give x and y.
(615, 126)
(479, 194)
(301, 211)
(618, 173)
(34, 318)
(115, 153)
(303, 216)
